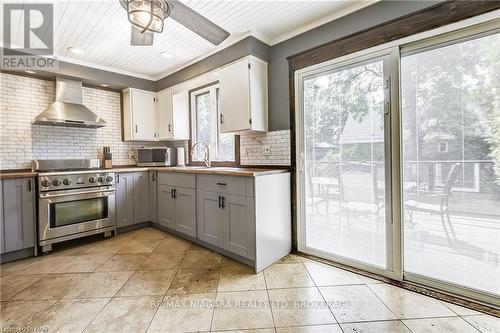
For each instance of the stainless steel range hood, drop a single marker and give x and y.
(68, 110)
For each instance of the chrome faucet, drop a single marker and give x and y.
(206, 159)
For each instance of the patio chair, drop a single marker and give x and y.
(442, 208)
(359, 191)
(313, 196)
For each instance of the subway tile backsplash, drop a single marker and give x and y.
(271, 148)
(23, 98)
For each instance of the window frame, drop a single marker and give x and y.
(213, 89)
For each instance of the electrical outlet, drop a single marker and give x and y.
(131, 154)
(266, 150)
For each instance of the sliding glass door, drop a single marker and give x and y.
(345, 117)
(451, 162)
(398, 161)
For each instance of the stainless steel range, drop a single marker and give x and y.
(75, 199)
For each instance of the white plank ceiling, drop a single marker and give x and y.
(101, 30)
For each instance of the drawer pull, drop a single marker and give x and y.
(221, 184)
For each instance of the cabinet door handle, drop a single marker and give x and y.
(136, 128)
(223, 203)
(169, 128)
(118, 178)
(172, 193)
(29, 185)
(221, 118)
(175, 193)
(221, 184)
(154, 176)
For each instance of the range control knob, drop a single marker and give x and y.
(56, 182)
(46, 183)
(101, 179)
(109, 179)
(92, 179)
(67, 181)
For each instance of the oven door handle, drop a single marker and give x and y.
(47, 195)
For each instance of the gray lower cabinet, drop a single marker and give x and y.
(17, 214)
(177, 202)
(226, 213)
(124, 198)
(239, 224)
(227, 221)
(186, 210)
(153, 203)
(210, 217)
(132, 198)
(141, 197)
(167, 206)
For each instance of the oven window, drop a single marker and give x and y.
(78, 211)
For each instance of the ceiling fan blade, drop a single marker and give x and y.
(140, 39)
(198, 23)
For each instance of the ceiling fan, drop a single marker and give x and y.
(147, 17)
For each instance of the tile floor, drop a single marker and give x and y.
(149, 280)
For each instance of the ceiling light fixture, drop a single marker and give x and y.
(30, 72)
(75, 50)
(166, 54)
(104, 85)
(147, 15)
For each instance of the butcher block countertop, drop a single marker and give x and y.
(227, 171)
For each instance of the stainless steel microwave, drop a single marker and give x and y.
(155, 156)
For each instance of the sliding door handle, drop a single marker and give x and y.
(302, 162)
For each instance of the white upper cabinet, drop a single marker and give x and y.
(165, 128)
(139, 115)
(243, 96)
(173, 115)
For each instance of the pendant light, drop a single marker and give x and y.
(147, 15)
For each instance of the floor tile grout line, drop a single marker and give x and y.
(42, 313)
(412, 318)
(323, 297)
(216, 293)
(11, 298)
(166, 291)
(445, 317)
(112, 297)
(386, 305)
(477, 329)
(269, 300)
(97, 314)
